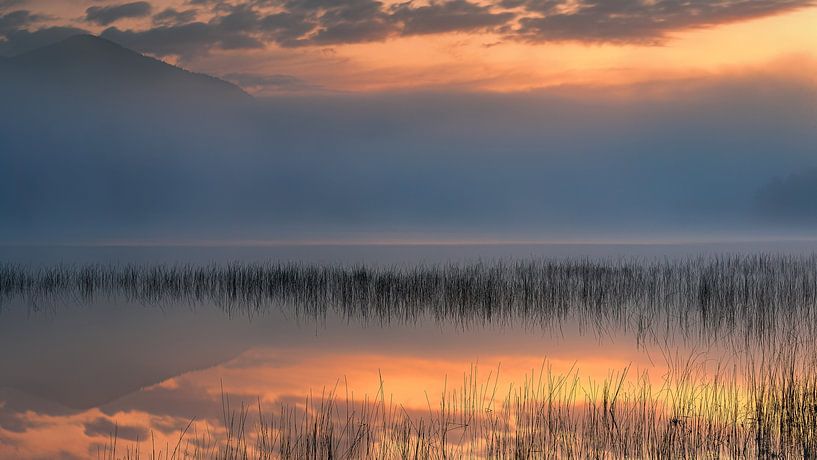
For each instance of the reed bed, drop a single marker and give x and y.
(754, 296)
(767, 410)
(771, 412)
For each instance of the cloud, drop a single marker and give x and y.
(17, 410)
(234, 30)
(354, 21)
(105, 15)
(17, 20)
(15, 422)
(296, 23)
(102, 426)
(5, 4)
(185, 40)
(291, 23)
(172, 17)
(185, 400)
(634, 21)
(451, 16)
(252, 24)
(16, 36)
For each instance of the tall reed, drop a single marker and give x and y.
(769, 411)
(753, 296)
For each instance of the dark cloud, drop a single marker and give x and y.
(270, 83)
(287, 29)
(321, 22)
(16, 36)
(5, 4)
(172, 17)
(294, 23)
(634, 21)
(237, 29)
(354, 21)
(14, 422)
(451, 16)
(289, 23)
(186, 400)
(186, 40)
(16, 20)
(350, 32)
(250, 24)
(17, 407)
(105, 15)
(104, 427)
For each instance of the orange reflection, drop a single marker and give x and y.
(191, 406)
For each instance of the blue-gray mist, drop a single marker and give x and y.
(100, 143)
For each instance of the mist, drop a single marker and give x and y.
(671, 159)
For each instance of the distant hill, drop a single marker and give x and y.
(86, 67)
(91, 130)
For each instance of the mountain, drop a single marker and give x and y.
(90, 68)
(85, 112)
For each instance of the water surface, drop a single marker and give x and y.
(79, 375)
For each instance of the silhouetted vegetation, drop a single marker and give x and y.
(753, 297)
(768, 412)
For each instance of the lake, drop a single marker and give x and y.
(412, 351)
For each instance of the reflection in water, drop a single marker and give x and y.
(753, 296)
(83, 374)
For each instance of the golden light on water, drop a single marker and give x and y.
(272, 378)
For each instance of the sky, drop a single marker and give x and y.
(528, 120)
(274, 46)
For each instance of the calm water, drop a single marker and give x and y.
(74, 373)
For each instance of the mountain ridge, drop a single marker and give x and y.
(88, 65)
